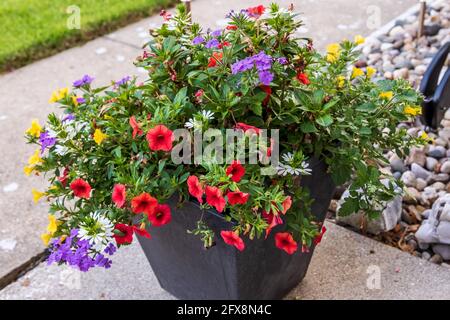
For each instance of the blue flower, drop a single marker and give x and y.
(198, 40)
(213, 43)
(83, 81)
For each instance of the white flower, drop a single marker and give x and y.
(284, 169)
(73, 127)
(98, 230)
(61, 150)
(288, 157)
(199, 119)
(207, 115)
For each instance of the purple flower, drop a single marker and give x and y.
(83, 81)
(69, 117)
(213, 43)
(198, 40)
(265, 77)
(81, 100)
(110, 249)
(123, 81)
(46, 140)
(282, 60)
(216, 33)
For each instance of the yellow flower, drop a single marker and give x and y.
(357, 72)
(37, 195)
(386, 95)
(58, 95)
(35, 129)
(333, 51)
(74, 100)
(28, 170)
(341, 81)
(99, 136)
(35, 158)
(107, 117)
(359, 39)
(52, 224)
(412, 111)
(46, 238)
(370, 71)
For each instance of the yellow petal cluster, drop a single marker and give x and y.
(333, 52)
(99, 136)
(59, 95)
(35, 129)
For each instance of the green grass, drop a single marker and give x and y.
(33, 29)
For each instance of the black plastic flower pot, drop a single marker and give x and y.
(262, 271)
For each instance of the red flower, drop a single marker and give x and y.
(216, 57)
(236, 170)
(303, 78)
(272, 219)
(81, 188)
(232, 238)
(160, 215)
(214, 198)
(119, 195)
(143, 203)
(237, 197)
(160, 138)
(246, 127)
(135, 126)
(305, 249)
(286, 204)
(268, 91)
(63, 178)
(125, 234)
(256, 12)
(195, 188)
(142, 232)
(199, 93)
(284, 241)
(318, 238)
(223, 44)
(231, 27)
(270, 149)
(166, 15)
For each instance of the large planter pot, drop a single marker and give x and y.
(262, 271)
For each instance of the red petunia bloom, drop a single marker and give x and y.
(303, 78)
(214, 198)
(125, 234)
(256, 12)
(272, 219)
(216, 57)
(231, 27)
(284, 241)
(143, 203)
(318, 238)
(119, 195)
(81, 188)
(224, 44)
(286, 204)
(237, 197)
(136, 129)
(195, 188)
(160, 215)
(236, 170)
(232, 238)
(246, 127)
(160, 138)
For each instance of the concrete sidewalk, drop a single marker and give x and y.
(345, 265)
(24, 94)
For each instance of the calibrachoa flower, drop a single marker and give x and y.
(216, 57)
(195, 188)
(143, 203)
(99, 136)
(272, 220)
(285, 241)
(231, 27)
(318, 238)
(232, 239)
(303, 78)
(256, 12)
(123, 233)
(333, 52)
(235, 170)
(119, 195)
(247, 127)
(357, 72)
(35, 129)
(59, 95)
(386, 95)
(86, 80)
(81, 188)
(215, 198)
(237, 197)
(160, 138)
(37, 195)
(46, 140)
(160, 215)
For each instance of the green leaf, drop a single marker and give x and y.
(256, 108)
(366, 107)
(308, 127)
(325, 120)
